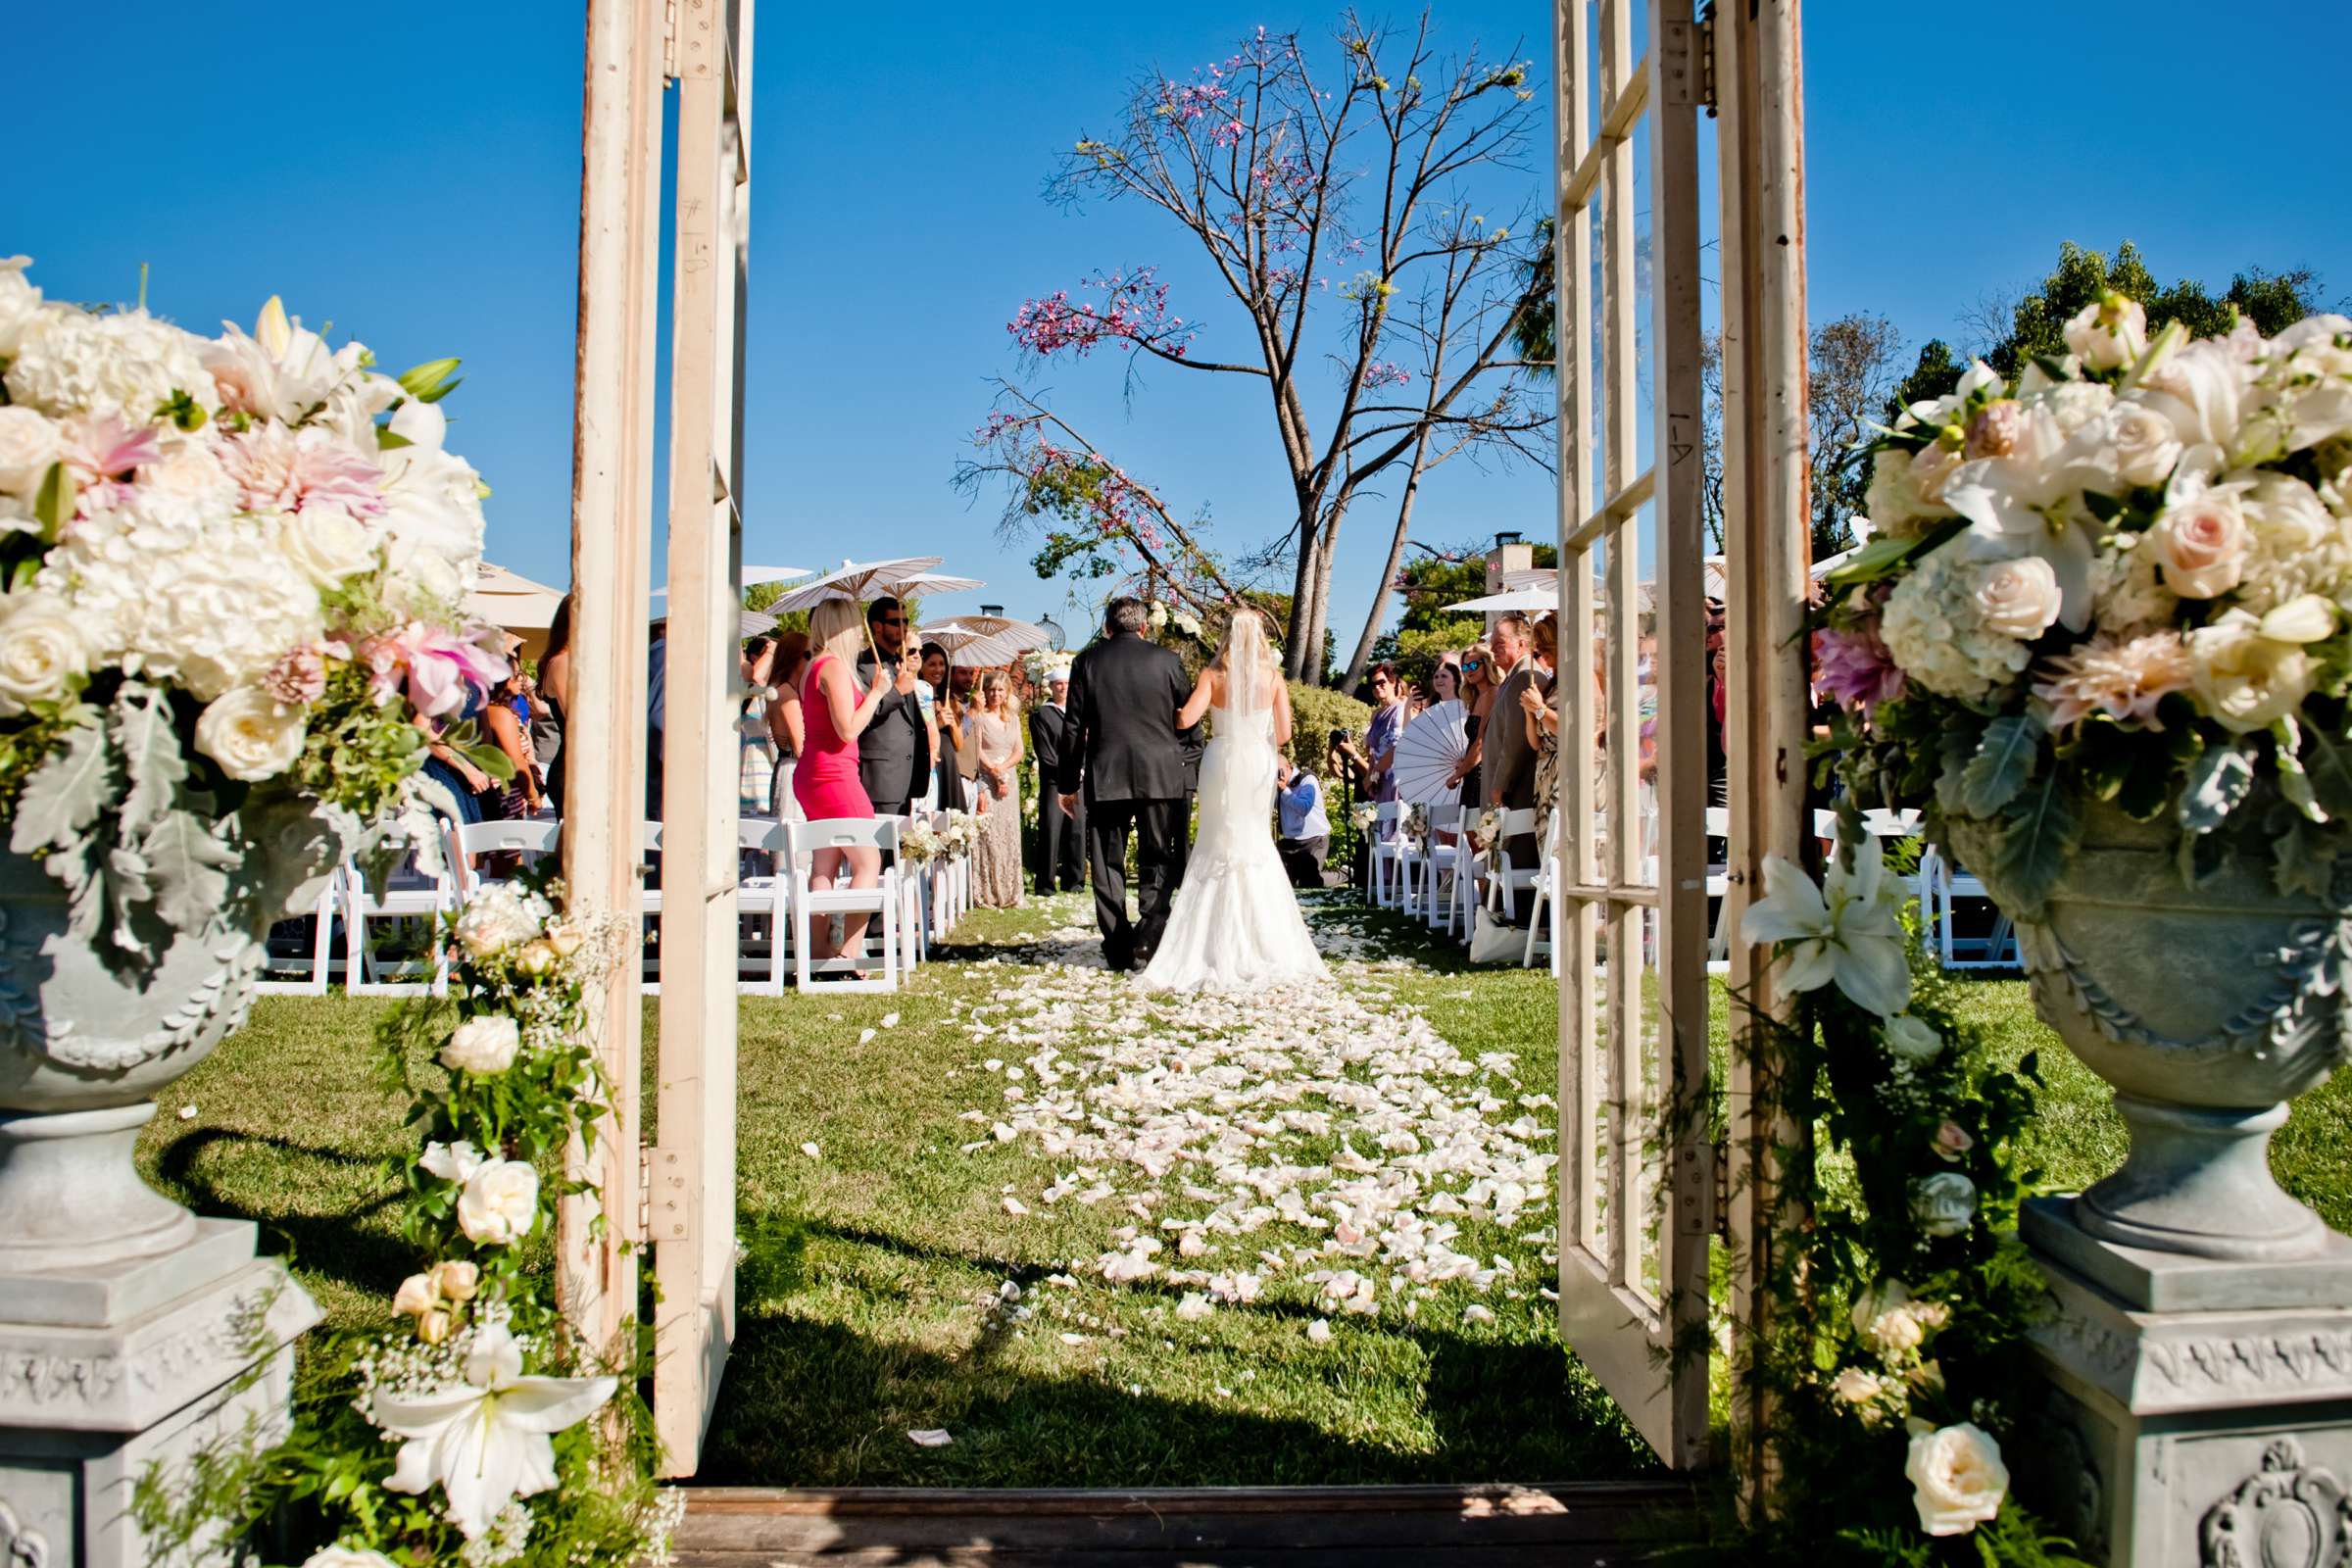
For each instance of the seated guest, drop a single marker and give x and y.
(1305, 830)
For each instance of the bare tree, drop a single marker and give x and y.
(1853, 367)
(1337, 202)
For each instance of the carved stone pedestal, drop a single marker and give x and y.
(107, 1370)
(2215, 1432)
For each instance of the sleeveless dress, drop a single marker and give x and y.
(1236, 925)
(996, 861)
(825, 783)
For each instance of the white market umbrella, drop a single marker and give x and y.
(1513, 599)
(924, 583)
(1428, 752)
(508, 598)
(985, 642)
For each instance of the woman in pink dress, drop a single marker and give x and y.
(825, 781)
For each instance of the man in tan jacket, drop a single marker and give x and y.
(1506, 763)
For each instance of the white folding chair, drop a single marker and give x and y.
(532, 838)
(1417, 865)
(1444, 864)
(1385, 851)
(803, 840)
(412, 893)
(765, 895)
(1943, 886)
(322, 925)
(1544, 921)
(1719, 890)
(1509, 879)
(649, 905)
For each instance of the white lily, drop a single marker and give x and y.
(487, 1440)
(2029, 503)
(1851, 933)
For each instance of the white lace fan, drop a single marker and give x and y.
(1428, 752)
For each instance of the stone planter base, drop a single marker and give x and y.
(2220, 1436)
(125, 1366)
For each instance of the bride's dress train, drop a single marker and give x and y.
(1235, 924)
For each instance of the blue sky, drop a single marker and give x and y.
(411, 174)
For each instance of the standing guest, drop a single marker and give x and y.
(964, 692)
(893, 756)
(1508, 767)
(995, 738)
(519, 797)
(947, 725)
(1380, 739)
(1476, 676)
(1060, 837)
(787, 721)
(1305, 840)
(656, 714)
(826, 783)
(1540, 704)
(755, 773)
(555, 685)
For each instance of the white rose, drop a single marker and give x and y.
(328, 544)
(2131, 441)
(29, 447)
(2200, 387)
(484, 1045)
(1911, 1039)
(1854, 1386)
(2108, 333)
(498, 917)
(249, 733)
(498, 1204)
(20, 303)
(347, 1557)
(452, 1163)
(1957, 1479)
(2019, 598)
(2200, 544)
(43, 652)
(1894, 1331)
(2244, 679)
(1945, 1204)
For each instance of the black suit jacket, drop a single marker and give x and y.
(1049, 739)
(1124, 744)
(893, 752)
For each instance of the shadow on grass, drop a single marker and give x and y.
(812, 1401)
(371, 1260)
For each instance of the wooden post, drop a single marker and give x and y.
(612, 531)
(1767, 512)
(693, 1166)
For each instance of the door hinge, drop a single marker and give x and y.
(669, 39)
(1704, 39)
(668, 1194)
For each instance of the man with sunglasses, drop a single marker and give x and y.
(894, 754)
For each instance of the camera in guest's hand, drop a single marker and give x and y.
(1338, 737)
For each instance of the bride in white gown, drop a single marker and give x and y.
(1236, 925)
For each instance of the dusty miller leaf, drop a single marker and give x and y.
(2041, 830)
(188, 867)
(2303, 860)
(148, 737)
(2217, 782)
(2327, 759)
(65, 794)
(2005, 760)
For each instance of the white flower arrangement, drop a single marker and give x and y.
(233, 569)
(1045, 664)
(2119, 578)
(918, 845)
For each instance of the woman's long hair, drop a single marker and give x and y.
(836, 627)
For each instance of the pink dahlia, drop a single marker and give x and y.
(1854, 667)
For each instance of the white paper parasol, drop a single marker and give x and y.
(985, 642)
(923, 584)
(859, 581)
(1428, 752)
(1522, 599)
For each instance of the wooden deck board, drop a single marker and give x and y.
(1557, 1526)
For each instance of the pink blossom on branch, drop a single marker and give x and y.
(1386, 372)
(1133, 312)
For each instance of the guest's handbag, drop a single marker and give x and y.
(1492, 942)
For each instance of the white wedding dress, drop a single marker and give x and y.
(1235, 924)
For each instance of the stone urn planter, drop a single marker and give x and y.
(2208, 1009)
(84, 1048)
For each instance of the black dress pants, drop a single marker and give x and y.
(1160, 831)
(1060, 847)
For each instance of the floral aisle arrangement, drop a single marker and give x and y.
(462, 1435)
(918, 844)
(231, 573)
(1899, 1391)
(2121, 580)
(959, 836)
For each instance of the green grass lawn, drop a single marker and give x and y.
(871, 1287)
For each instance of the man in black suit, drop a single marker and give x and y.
(894, 754)
(1060, 838)
(1126, 752)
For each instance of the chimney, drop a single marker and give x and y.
(992, 609)
(1509, 555)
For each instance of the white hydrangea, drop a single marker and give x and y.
(20, 303)
(1936, 630)
(71, 362)
(2298, 544)
(173, 593)
(2127, 594)
(2072, 404)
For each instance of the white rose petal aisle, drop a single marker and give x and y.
(463, 1435)
(230, 580)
